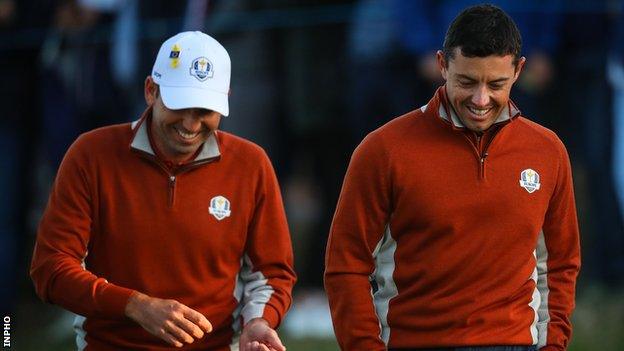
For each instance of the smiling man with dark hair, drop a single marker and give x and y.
(456, 227)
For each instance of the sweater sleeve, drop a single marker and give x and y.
(361, 215)
(559, 254)
(267, 269)
(57, 267)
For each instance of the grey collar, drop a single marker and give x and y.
(506, 114)
(210, 148)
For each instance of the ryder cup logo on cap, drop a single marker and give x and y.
(201, 69)
(193, 71)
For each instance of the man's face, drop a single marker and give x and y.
(478, 87)
(179, 133)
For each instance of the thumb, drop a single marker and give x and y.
(274, 342)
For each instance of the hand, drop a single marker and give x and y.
(258, 336)
(169, 320)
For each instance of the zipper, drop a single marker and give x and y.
(179, 170)
(481, 152)
(482, 160)
(172, 177)
(172, 182)
(484, 153)
(482, 156)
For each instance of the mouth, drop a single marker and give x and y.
(479, 114)
(187, 136)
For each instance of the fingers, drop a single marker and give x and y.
(270, 342)
(187, 324)
(257, 335)
(256, 346)
(177, 332)
(198, 319)
(189, 327)
(274, 341)
(169, 320)
(163, 334)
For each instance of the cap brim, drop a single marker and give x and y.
(177, 98)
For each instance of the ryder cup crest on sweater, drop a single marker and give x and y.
(193, 71)
(219, 207)
(530, 180)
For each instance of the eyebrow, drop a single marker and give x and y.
(499, 80)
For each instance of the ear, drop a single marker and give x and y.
(150, 91)
(519, 67)
(442, 64)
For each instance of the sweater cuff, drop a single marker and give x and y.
(272, 316)
(112, 301)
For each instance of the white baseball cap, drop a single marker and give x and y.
(193, 71)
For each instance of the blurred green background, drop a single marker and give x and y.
(598, 323)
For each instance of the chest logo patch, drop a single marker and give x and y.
(219, 207)
(530, 180)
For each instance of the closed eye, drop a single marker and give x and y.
(466, 83)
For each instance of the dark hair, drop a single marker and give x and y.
(481, 31)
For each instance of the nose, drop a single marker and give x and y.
(192, 122)
(480, 97)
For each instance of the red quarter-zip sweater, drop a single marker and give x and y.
(444, 238)
(211, 234)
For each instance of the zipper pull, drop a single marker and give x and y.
(482, 168)
(483, 157)
(172, 180)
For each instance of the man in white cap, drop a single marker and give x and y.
(166, 232)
